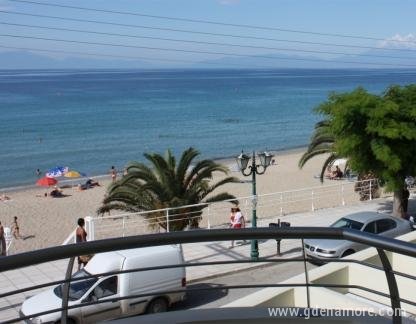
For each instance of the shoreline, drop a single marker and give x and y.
(227, 160)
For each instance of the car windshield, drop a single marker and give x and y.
(77, 289)
(348, 223)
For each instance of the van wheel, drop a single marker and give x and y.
(158, 305)
(348, 252)
(68, 321)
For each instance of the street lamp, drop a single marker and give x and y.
(242, 162)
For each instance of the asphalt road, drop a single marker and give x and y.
(269, 274)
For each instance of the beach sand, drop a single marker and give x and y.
(47, 221)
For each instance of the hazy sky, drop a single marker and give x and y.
(374, 18)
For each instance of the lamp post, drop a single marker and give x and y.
(242, 162)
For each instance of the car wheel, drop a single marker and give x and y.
(157, 305)
(346, 253)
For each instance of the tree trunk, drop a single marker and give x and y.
(400, 201)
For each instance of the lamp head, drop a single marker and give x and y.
(265, 158)
(242, 161)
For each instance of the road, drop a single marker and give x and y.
(222, 296)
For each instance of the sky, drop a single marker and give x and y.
(382, 19)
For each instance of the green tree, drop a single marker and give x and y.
(166, 183)
(377, 134)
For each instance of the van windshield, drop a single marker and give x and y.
(77, 289)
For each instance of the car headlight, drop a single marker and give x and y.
(325, 251)
(36, 320)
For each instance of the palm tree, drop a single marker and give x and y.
(322, 142)
(168, 184)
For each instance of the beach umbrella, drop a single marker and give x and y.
(73, 174)
(57, 171)
(46, 182)
(339, 162)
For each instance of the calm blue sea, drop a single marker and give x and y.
(91, 120)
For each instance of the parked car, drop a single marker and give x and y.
(370, 222)
(114, 286)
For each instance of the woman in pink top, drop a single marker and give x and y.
(237, 220)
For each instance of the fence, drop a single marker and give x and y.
(215, 215)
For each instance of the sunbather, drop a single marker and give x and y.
(337, 174)
(56, 192)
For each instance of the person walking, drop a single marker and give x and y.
(16, 229)
(237, 220)
(113, 174)
(81, 236)
(3, 249)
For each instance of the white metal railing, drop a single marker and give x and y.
(217, 214)
(8, 237)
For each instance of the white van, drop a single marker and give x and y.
(120, 285)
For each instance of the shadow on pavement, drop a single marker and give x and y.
(195, 298)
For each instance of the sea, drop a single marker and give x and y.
(90, 120)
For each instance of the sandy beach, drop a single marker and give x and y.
(47, 221)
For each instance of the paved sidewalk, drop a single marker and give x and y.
(194, 252)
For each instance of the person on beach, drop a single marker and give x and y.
(16, 229)
(232, 215)
(3, 248)
(81, 236)
(113, 173)
(4, 197)
(337, 174)
(237, 220)
(56, 192)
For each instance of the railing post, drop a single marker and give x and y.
(209, 221)
(89, 224)
(65, 291)
(371, 194)
(281, 204)
(342, 195)
(313, 207)
(9, 238)
(167, 220)
(308, 296)
(393, 289)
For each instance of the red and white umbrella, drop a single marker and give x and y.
(46, 182)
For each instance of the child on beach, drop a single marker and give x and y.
(16, 229)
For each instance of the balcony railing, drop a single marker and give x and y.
(382, 244)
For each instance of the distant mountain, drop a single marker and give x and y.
(375, 59)
(369, 59)
(28, 60)
(267, 61)
(381, 58)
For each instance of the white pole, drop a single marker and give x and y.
(342, 195)
(313, 207)
(124, 225)
(209, 222)
(167, 219)
(89, 222)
